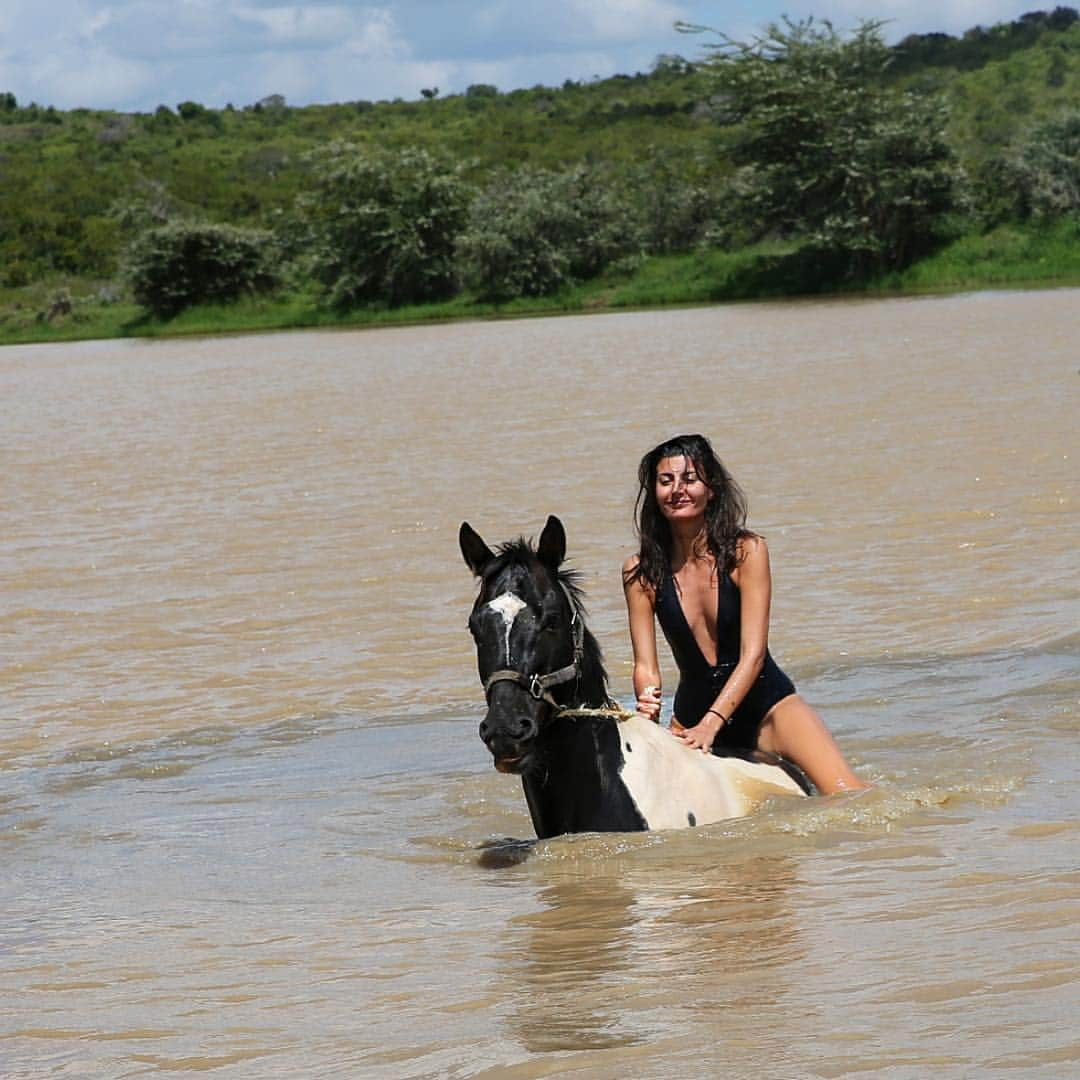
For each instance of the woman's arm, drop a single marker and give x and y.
(754, 580)
(640, 608)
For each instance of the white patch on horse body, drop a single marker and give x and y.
(508, 605)
(669, 781)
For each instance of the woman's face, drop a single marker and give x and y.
(681, 493)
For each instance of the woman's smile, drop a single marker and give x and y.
(680, 490)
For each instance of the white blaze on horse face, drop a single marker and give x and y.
(507, 605)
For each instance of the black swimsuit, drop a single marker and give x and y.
(700, 682)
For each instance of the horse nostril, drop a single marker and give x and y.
(523, 727)
(515, 728)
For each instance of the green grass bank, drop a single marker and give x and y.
(1010, 256)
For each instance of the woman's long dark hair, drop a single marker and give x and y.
(725, 516)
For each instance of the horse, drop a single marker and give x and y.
(586, 765)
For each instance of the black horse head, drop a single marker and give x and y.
(534, 653)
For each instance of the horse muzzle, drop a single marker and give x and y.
(510, 739)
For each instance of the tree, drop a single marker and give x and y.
(383, 226)
(831, 154)
(176, 266)
(533, 231)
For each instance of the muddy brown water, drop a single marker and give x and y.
(243, 806)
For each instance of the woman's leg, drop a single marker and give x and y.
(794, 730)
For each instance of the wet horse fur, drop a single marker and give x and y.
(585, 774)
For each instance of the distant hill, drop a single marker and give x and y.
(76, 185)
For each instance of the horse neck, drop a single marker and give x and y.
(559, 792)
(590, 690)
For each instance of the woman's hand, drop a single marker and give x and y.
(648, 703)
(700, 736)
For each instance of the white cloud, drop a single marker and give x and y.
(135, 54)
(328, 25)
(378, 36)
(294, 25)
(618, 21)
(527, 29)
(96, 23)
(69, 80)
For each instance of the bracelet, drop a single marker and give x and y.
(723, 719)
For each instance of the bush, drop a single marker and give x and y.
(677, 203)
(383, 226)
(176, 266)
(1045, 167)
(16, 275)
(533, 231)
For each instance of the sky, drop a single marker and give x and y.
(134, 55)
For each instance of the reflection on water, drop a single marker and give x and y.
(566, 976)
(246, 821)
(638, 944)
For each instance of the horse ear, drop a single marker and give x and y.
(477, 554)
(552, 549)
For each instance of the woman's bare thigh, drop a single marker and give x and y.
(794, 730)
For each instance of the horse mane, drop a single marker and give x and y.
(593, 684)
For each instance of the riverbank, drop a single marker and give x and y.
(1011, 256)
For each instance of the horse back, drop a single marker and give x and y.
(674, 786)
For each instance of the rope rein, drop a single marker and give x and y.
(608, 712)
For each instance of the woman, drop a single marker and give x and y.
(705, 576)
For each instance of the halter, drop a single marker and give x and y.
(539, 686)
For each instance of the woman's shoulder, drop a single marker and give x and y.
(633, 580)
(749, 545)
(751, 555)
